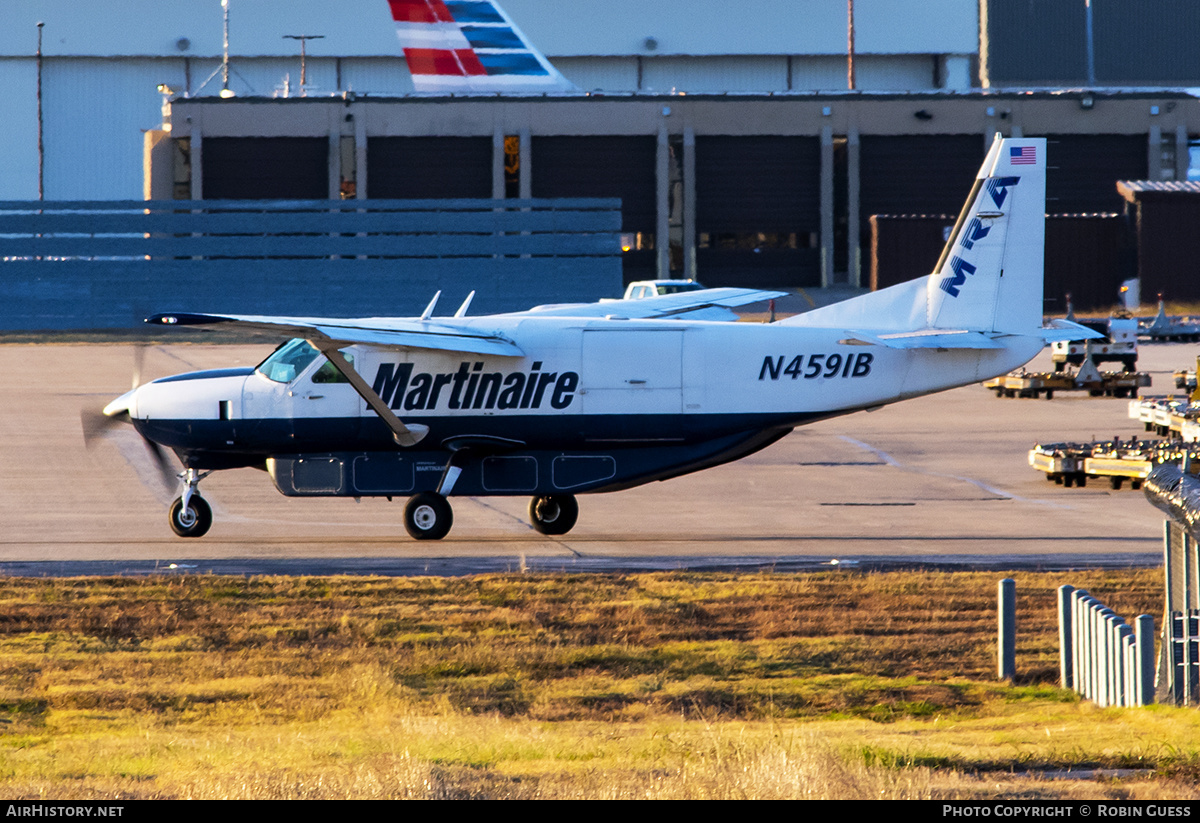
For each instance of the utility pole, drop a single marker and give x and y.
(850, 45)
(41, 145)
(225, 92)
(303, 38)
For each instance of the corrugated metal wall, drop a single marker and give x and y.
(95, 112)
(1150, 41)
(748, 73)
(1168, 245)
(1044, 42)
(376, 74)
(1032, 41)
(18, 130)
(596, 73)
(714, 74)
(1087, 256)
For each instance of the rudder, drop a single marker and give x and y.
(990, 274)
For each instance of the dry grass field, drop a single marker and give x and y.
(670, 685)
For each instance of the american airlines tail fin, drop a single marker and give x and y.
(469, 46)
(988, 281)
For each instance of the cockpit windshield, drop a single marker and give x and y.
(288, 360)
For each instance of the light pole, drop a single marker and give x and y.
(303, 38)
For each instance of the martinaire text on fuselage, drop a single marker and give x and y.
(472, 388)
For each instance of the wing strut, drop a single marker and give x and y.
(405, 435)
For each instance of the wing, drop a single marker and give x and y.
(379, 331)
(666, 306)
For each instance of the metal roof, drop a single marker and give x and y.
(1130, 188)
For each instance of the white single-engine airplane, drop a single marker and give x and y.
(565, 400)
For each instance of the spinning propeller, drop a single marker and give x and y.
(161, 477)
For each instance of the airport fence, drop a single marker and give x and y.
(108, 264)
(1103, 658)
(1174, 488)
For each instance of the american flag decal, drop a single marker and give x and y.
(1022, 156)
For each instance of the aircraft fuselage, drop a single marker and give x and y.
(593, 405)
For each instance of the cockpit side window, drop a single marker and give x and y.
(287, 361)
(328, 372)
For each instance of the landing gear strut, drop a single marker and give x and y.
(553, 514)
(191, 516)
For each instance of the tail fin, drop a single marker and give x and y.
(990, 274)
(465, 46)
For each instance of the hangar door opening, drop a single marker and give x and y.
(916, 174)
(758, 211)
(605, 167)
(419, 168)
(265, 168)
(1084, 170)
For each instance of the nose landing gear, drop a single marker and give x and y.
(190, 515)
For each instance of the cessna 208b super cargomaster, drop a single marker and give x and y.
(574, 399)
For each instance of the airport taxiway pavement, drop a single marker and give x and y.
(944, 476)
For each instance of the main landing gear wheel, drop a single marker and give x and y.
(194, 521)
(554, 514)
(428, 516)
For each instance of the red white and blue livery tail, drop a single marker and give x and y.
(470, 46)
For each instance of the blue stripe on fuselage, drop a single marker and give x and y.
(200, 442)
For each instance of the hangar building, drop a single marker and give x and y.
(739, 152)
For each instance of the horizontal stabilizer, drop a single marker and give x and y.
(932, 339)
(377, 331)
(1064, 330)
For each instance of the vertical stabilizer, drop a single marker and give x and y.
(470, 46)
(990, 275)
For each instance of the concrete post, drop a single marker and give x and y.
(1154, 153)
(1123, 636)
(498, 163)
(1066, 668)
(1144, 640)
(1078, 599)
(826, 206)
(360, 155)
(525, 173)
(1007, 645)
(689, 203)
(662, 223)
(853, 229)
(1103, 672)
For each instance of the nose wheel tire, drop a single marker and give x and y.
(554, 514)
(428, 516)
(195, 521)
